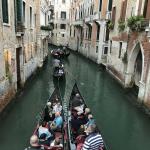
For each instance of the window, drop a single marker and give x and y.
(107, 35)
(96, 49)
(98, 31)
(56, 26)
(110, 5)
(123, 10)
(34, 19)
(63, 15)
(30, 16)
(63, 1)
(63, 35)
(145, 12)
(19, 11)
(105, 50)
(100, 5)
(5, 11)
(113, 15)
(62, 26)
(110, 46)
(120, 48)
(74, 33)
(70, 31)
(24, 12)
(90, 33)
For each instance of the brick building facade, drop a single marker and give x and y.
(21, 38)
(129, 46)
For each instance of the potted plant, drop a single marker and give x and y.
(135, 23)
(121, 25)
(110, 25)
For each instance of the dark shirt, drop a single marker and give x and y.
(76, 102)
(75, 124)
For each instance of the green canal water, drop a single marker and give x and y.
(123, 126)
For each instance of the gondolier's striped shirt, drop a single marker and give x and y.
(93, 142)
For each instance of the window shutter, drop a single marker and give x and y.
(5, 11)
(123, 10)
(148, 10)
(19, 10)
(100, 5)
(110, 5)
(139, 7)
(113, 15)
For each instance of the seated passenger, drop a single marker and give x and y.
(94, 139)
(57, 143)
(77, 101)
(44, 134)
(56, 63)
(91, 121)
(57, 108)
(34, 141)
(48, 112)
(57, 123)
(75, 124)
(86, 113)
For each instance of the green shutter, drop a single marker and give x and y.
(110, 5)
(19, 10)
(5, 11)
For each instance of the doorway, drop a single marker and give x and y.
(18, 52)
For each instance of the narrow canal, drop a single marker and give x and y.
(124, 127)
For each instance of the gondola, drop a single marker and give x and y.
(54, 98)
(59, 72)
(73, 134)
(60, 53)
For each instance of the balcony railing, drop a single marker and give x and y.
(78, 22)
(96, 16)
(20, 28)
(89, 19)
(51, 7)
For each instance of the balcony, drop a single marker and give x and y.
(78, 23)
(20, 29)
(61, 21)
(96, 16)
(45, 33)
(51, 7)
(137, 23)
(51, 20)
(87, 19)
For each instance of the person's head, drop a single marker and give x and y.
(87, 110)
(57, 141)
(57, 114)
(77, 95)
(57, 100)
(49, 104)
(90, 116)
(58, 104)
(44, 124)
(34, 140)
(91, 129)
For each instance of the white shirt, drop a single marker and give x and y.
(52, 144)
(57, 108)
(44, 130)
